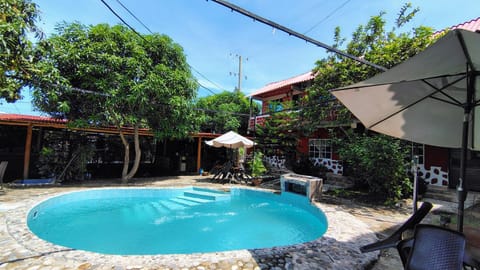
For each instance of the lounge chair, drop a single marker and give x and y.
(224, 172)
(241, 176)
(216, 169)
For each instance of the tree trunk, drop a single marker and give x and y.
(138, 154)
(126, 158)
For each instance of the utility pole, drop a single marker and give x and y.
(239, 73)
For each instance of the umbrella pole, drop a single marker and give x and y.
(461, 192)
(461, 187)
(415, 183)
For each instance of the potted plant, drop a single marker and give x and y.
(257, 168)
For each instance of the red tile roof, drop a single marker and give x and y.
(276, 85)
(472, 25)
(30, 118)
(24, 120)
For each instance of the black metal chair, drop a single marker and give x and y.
(397, 236)
(431, 247)
(435, 248)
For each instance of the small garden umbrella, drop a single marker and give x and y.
(431, 98)
(231, 139)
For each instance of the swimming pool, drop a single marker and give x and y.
(175, 221)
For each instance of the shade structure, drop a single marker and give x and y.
(231, 139)
(431, 98)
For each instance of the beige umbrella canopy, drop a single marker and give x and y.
(231, 139)
(431, 98)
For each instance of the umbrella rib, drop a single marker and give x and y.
(465, 50)
(454, 101)
(397, 112)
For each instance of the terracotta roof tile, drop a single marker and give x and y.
(472, 25)
(277, 85)
(30, 118)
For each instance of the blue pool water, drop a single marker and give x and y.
(175, 221)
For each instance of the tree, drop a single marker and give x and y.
(279, 134)
(370, 42)
(17, 64)
(224, 112)
(374, 160)
(112, 76)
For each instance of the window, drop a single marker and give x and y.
(320, 148)
(275, 105)
(417, 150)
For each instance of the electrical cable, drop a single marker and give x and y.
(326, 17)
(291, 32)
(133, 15)
(148, 29)
(121, 19)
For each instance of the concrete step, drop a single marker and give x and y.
(206, 195)
(442, 193)
(211, 190)
(193, 199)
(170, 205)
(184, 202)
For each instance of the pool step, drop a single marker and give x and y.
(160, 208)
(171, 205)
(183, 201)
(207, 195)
(193, 199)
(215, 191)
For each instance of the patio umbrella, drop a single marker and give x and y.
(231, 139)
(431, 98)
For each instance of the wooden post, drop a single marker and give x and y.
(28, 148)
(199, 154)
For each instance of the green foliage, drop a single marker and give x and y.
(222, 112)
(370, 42)
(131, 81)
(279, 133)
(64, 160)
(256, 164)
(17, 64)
(376, 162)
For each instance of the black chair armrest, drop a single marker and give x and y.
(393, 240)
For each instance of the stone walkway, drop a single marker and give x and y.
(350, 227)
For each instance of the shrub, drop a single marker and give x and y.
(256, 165)
(377, 163)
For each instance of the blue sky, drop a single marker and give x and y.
(212, 36)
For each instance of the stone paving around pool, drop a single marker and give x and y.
(337, 249)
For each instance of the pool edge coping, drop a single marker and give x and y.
(38, 247)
